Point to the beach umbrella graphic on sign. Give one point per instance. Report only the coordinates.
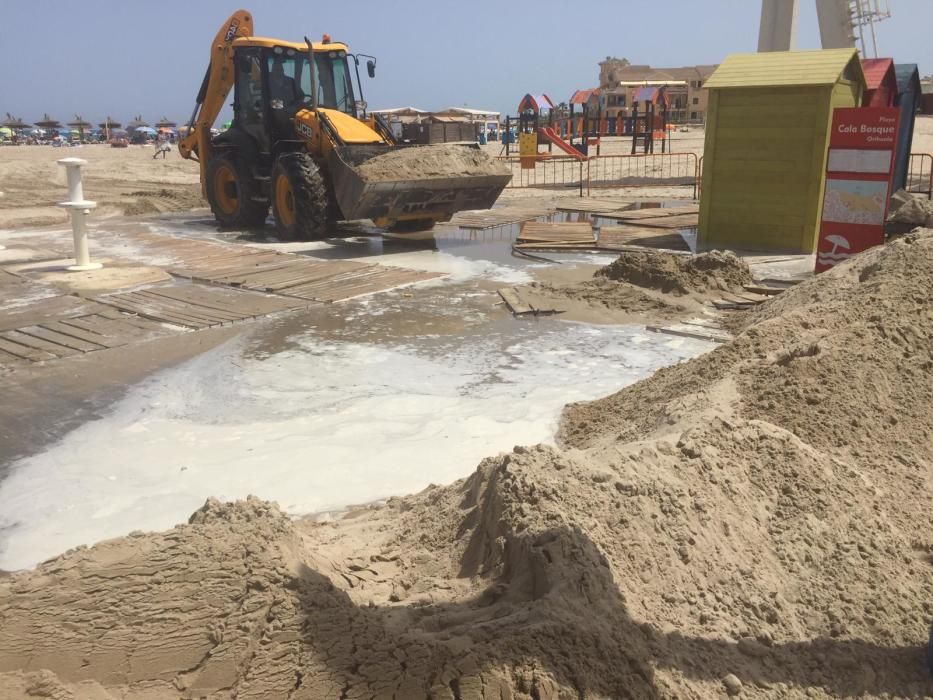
(839, 252)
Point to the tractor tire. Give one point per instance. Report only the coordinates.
(233, 193)
(412, 226)
(300, 203)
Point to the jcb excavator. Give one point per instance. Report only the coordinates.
(301, 141)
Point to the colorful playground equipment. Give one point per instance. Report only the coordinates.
(649, 124)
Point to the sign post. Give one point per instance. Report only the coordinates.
(858, 182)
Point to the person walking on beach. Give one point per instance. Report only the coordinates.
(162, 146)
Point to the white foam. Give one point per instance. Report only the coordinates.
(315, 428)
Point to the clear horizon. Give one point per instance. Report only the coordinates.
(129, 60)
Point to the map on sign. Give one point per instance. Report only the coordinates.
(853, 160)
(855, 201)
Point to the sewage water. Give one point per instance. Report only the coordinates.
(346, 404)
(319, 426)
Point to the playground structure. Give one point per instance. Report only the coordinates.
(651, 124)
(576, 127)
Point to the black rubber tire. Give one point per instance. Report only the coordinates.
(309, 198)
(411, 226)
(251, 209)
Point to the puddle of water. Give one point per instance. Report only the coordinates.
(316, 427)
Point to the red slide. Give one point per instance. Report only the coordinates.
(551, 135)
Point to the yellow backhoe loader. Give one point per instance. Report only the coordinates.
(302, 142)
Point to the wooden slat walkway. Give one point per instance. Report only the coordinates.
(503, 216)
(290, 275)
(196, 306)
(623, 237)
(659, 212)
(59, 331)
(589, 205)
(580, 236)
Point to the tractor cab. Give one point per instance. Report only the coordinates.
(273, 82)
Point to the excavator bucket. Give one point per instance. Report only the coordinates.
(397, 184)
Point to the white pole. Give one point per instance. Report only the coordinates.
(79, 208)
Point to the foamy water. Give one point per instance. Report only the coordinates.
(315, 428)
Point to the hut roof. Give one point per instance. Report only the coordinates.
(787, 68)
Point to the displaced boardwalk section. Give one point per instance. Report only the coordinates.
(216, 284)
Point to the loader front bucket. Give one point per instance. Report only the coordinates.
(398, 184)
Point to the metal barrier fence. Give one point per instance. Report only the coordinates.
(622, 170)
(549, 171)
(920, 174)
(643, 170)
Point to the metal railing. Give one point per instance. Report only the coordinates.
(920, 174)
(621, 170)
(643, 170)
(549, 171)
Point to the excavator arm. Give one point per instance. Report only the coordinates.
(218, 79)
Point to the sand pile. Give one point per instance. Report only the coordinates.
(680, 274)
(756, 521)
(434, 161)
(651, 285)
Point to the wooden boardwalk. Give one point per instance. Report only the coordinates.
(290, 275)
(64, 326)
(582, 236)
(501, 216)
(196, 306)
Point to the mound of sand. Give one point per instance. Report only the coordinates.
(434, 161)
(756, 521)
(680, 274)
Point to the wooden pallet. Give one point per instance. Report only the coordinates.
(589, 205)
(566, 232)
(285, 274)
(503, 216)
(97, 327)
(521, 307)
(196, 306)
(659, 212)
(690, 330)
(668, 222)
(623, 237)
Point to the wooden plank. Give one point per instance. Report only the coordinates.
(658, 212)
(82, 334)
(590, 206)
(564, 231)
(63, 339)
(26, 352)
(51, 307)
(766, 291)
(127, 329)
(163, 307)
(684, 221)
(697, 335)
(227, 299)
(514, 301)
(147, 311)
(191, 308)
(40, 344)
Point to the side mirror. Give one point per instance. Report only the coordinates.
(371, 68)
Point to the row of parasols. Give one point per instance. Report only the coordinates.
(79, 126)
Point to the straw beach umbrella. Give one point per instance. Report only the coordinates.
(137, 122)
(108, 125)
(80, 124)
(48, 122)
(14, 123)
(166, 123)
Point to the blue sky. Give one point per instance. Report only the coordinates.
(123, 58)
